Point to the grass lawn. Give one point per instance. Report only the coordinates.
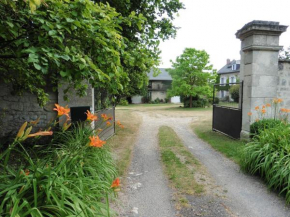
(229, 147)
(179, 164)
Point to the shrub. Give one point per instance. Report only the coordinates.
(196, 102)
(263, 124)
(235, 92)
(269, 156)
(157, 101)
(123, 102)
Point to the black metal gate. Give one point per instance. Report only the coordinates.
(227, 109)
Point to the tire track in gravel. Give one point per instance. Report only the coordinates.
(147, 193)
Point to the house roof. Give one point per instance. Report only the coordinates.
(163, 76)
(228, 67)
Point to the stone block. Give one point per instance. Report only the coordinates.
(272, 40)
(266, 80)
(248, 57)
(259, 40)
(264, 92)
(248, 70)
(247, 42)
(16, 106)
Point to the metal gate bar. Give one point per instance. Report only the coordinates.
(227, 119)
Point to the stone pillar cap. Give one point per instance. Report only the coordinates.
(261, 27)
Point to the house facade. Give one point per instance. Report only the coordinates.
(157, 88)
(228, 74)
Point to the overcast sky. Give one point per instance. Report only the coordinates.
(211, 25)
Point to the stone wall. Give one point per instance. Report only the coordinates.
(283, 88)
(15, 110)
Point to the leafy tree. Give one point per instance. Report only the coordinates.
(143, 41)
(192, 74)
(112, 47)
(71, 41)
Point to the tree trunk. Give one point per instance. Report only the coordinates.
(190, 101)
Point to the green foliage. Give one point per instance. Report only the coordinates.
(69, 41)
(268, 155)
(66, 178)
(111, 47)
(196, 102)
(257, 127)
(235, 92)
(216, 101)
(192, 75)
(123, 102)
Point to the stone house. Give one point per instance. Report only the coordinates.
(228, 74)
(157, 88)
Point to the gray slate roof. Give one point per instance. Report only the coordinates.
(228, 67)
(163, 76)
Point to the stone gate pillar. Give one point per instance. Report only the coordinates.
(259, 65)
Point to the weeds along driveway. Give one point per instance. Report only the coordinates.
(147, 193)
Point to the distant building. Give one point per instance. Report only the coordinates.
(229, 73)
(157, 88)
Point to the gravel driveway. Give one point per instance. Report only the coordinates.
(234, 193)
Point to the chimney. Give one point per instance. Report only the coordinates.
(228, 61)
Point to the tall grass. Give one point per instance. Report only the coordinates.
(66, 178)
(269, 156)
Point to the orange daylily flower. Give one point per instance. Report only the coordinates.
(105, 117)
(263, 106)
(108, 123)
(26, 172)
(90, 116)
(250, 113)
(96, 141)
(282, 109)
(277, 100)
(61, 110)
(268, 105)
(41, 133)
(263, 111)
(257, 108)
(119, 124)
(116, 183)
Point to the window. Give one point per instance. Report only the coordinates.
(233, 79)
(222, 94)
(234, 67)
(222, 80)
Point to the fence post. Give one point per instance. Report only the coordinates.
(259, 66)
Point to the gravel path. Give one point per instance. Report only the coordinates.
(147, 193)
